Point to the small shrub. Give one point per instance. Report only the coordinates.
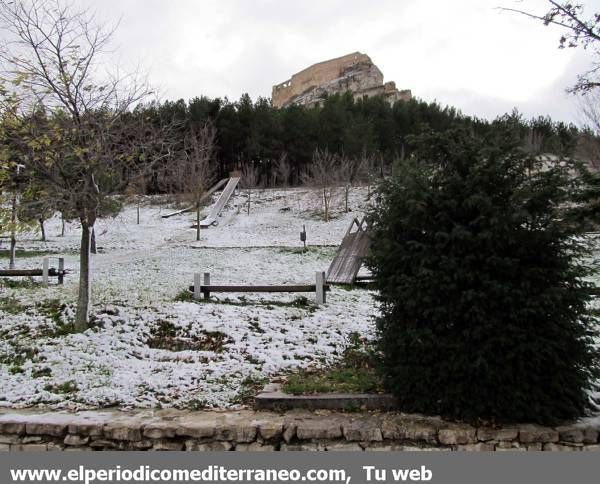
(166, 336)
(62, 388)
(249, 388)
(11, 305)
(184, 296)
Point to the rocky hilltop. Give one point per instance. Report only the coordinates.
(354, 72)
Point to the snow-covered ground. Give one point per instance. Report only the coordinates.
(146, 348)
(138, 273)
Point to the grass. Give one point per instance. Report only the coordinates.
(166, 336)
(18, 283)
(249, 388)
(62, 388)
(54, 310)
(20, 253)
(333, 380)
(11, 305)
(355, 373)
(300, 302)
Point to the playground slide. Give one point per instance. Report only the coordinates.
(218, 207)
(350, 254)
(207, 194)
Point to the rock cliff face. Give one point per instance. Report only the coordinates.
(354, 72)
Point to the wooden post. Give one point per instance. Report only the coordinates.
(61, 268)
(197, 292)
(45, 268)
(320, 288)
(206, 283)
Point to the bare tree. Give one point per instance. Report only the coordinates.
(284, 170)
(371, 167)
(72, 111)
(249, 180)
(197, 169)
(320, 175)
(348, 172)
(588, 142)
(135, 191)
(576, 31)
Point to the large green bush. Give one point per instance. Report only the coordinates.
(479, 271)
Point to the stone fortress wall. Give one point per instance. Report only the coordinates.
(352, 72)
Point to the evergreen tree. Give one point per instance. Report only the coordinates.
(480, 278)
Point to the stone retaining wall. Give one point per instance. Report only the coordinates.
(266, 431)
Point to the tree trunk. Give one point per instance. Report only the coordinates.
(13, 251)
(346, 198)
(138, 213)
(43, 229)
(62, 222)
(93, 241)
(249, 195)
(198, 222)
(83, 302)
(13, 232)
(325, 205)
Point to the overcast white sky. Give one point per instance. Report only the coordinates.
(464, 53)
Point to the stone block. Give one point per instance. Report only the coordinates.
(485, 434)
(76, 440)
(590, 435)
(289, 433)
(343, 447)
(478, 447)
(105, 444)
(196, 429)
(29, 447)
(53, 429)
(459, 434)
(93, 430)
(305, 447)
(236, 432)
(159, 430)
(505, 445)
(167, 445)
(417, 448)
(254, 447)
(551, 447)
(364, 431)
(10, 439)
(4, 447)
(33, 439)
(537, 434)
(143, 444)
(570, 433)
(318, 429)
(592, 448)
(118, 431)
(534, 447)
(378, 447)
(194, 445)
(270, 430)
(12, 427)
(419, 432)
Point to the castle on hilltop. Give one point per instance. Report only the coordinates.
(354, 72)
